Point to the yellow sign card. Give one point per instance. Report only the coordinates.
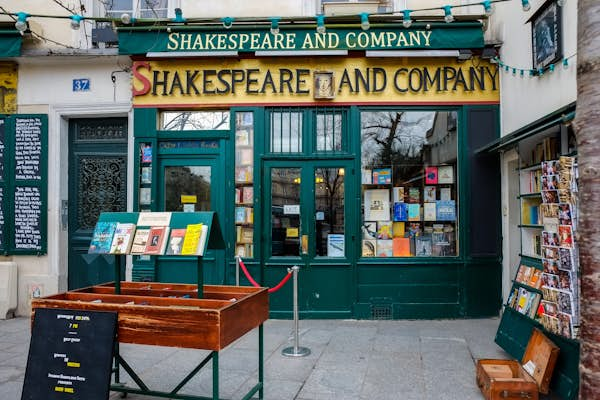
(323, 81)
(291, 232)
(187, 199)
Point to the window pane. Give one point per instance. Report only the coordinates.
(192, 182)
(244, 186)
(194, 120)
(286, 132)
(114, 8)
(409, 183)
(329, 216)
(153, 8)
(329, 132)
(285, 211)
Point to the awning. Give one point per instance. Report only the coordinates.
(10, 43)
(559, 116)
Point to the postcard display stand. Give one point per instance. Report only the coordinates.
(545, 291)
(208, 317)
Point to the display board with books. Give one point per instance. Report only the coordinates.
(244, 184)
(156, 234)
(145, 176)
(409, 215)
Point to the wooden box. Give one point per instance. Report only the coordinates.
(165, 314)
(507, 379)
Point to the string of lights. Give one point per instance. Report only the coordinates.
(531, 72)
(228, 22)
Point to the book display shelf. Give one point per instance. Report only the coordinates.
(244, 184)
(545, 290)
(409, 214)
(145, 165)
(196, 316)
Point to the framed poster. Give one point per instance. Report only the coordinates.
(546, 35)
(324, 85)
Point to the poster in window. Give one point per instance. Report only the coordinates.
(546, 35)
(377, 205)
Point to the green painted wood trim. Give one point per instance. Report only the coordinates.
(10, 43)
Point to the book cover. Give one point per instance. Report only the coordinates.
(565, 280)
(384, 229)
(414, 195)
(398, 194)
(550, 196)
(535, 280)
(431, 175)
(550, 266)
(175, 241)
(564, 196)
(565, 256)
(146, 175)
(398, 229)
(429, 193)
(414, 212)
(240, 215)
(366, 176)
(445, 194)
(102, 238)
(401, 247)
(335, 245)
(550, 281)
(195, 239)
(522, 300)
(414, 229)
(400, 212)
(520, 273)
(377, 205)
(384, 248)
(146, 153)
(243, 174)
(565, 233)
(157, 240)
(369, 248)
(248, 195)
(369, 230)
(145, 196)
(244, 156)
(565, 325)
(139, 241)
(550, 252)
(565, 303)
(445, 210)
(242, 137)
(446, 174)
(154, 219)
(123, 238)
(429, 212)
(382, 176)
(248, 234)
(564, 214)
(423, 246)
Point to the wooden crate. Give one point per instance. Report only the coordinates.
(163, 314)
(507, 379)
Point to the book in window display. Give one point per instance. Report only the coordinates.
(446, 210)
(377, 205)
(429, 212)
(445, 194)
(398, 229)
(429, 193)
(446, 174)
(431, 175)
(382, 176)
(369, 230)
(366, 176)
(401, 247)
(398, 194)
(384, 248)
(384, 229)
(146, 175)
(414, 212)
(369, 248)
(414, 195)
(400, 212)
(423, 247)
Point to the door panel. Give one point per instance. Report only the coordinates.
(189, 185)
(97, 183)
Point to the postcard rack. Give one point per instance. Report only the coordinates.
(198, 316)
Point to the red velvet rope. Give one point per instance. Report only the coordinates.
(255, 284)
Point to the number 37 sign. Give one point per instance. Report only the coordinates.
(81, 85)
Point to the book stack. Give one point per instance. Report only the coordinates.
(560, 288)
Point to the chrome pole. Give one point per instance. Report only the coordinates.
(237, 270)
(296, 350)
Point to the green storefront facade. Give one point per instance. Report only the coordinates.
(325, 153)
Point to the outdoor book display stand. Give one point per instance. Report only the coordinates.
(208, 317)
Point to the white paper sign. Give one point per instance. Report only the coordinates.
(291, 209)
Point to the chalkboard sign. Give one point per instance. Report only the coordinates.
(28, 217)
(70, 355)
(28, 148)
(2, 146)
(2, 234)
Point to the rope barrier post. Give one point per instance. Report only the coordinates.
(237, 270)
(296, 350)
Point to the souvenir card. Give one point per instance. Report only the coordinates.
(564, 214)
(550, 266)
(564, 280)
(550, 280)
(550, 252)
(550, 167)
(566, 259)
(565, 325)
(550, 182)
(549, 196)
(565, 303)
(565, 232)
(550, 308)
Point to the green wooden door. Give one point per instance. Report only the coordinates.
(307, 221)
(97, 183)
(191, 183)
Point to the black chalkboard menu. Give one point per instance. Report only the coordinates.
(2, 147)
(70, 355)
(28, 148)
(28, 217)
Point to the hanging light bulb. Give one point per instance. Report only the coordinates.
(76, 21)
(364, 21)
(227, 22)
(526, 5)
(275, 25)
(540, 71)
(179, 16)
(448, 17)
(561, 3)
(551, 67)
(320, 23)
(522, 73)
(406, 21)
(487, 7)
(125, 18)
(514, 71)
(21, 24)
(506, 68)
(565, 63)
(531, 72)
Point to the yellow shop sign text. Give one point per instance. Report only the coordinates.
(263, 81)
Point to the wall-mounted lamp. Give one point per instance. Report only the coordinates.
(76, 21)
(448, 17)
(275, 25)
(526, 5)
(406, 21)
(21, 24)
(364, 21)
(320, 23)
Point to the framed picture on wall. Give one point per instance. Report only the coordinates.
(546, 35)
(324, 85)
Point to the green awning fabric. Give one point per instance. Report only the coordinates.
(559, 116)
(10, 43)
(142, 40)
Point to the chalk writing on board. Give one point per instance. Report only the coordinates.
(2, 244)
(28, 214)
(28, 148)
(2, 139)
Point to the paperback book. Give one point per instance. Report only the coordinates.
(157, 240)
(123, 238)
(194, 241)
(176, 241)
(102, 238)
(139, 241)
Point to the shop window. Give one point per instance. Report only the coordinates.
(285, 218)
(137, 8)
(329, 131)
(409, 183)
(286, 131)
(194, 120)
(244, 184)
(329, 215)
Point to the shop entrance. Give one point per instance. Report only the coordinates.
(307, 218)
(191, 184)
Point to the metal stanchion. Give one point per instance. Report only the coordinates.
(237, 270)
(296, 350)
